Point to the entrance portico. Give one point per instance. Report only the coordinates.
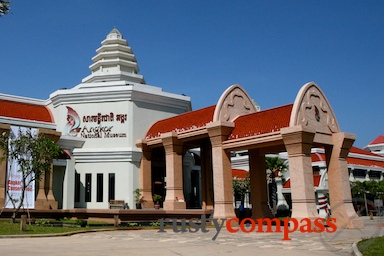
(236, 123)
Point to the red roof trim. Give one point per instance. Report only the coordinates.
(262, 122)
(316, 182)
(355, 160)
(25, 111)
(365, 162)
(378, 140)
(317, 157)
(241, 174)
(182, 122)
(360, 151)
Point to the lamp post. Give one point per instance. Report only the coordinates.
(365, 201)
(379, 204)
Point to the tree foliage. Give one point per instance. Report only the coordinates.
(240, 185)
(372, 188)
(4, 7)
(276, 164)
(34, 156)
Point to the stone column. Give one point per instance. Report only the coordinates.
(206, 176)
(351, 176)
(69, 185)
(146, 174)
(367, 175)
(298, 143)
(174, 171)
(338, 182)
(258, 184)
(222, 169)
(42, 202)
(3, 168)
(53, 204)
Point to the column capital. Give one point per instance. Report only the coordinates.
(4, 128)
(141, 143)
(344, 141)
(219, 131)
(145, 149)
(171, 143)
(51, 134)
(298, 139)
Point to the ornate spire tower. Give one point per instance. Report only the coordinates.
(114, 61)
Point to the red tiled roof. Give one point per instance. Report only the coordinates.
(362, 152)
(378, 140)
(183, 122)
(25, 111)
(318, 157)
(316, 182)
(266, 121)
(365, 162)
(240, 173)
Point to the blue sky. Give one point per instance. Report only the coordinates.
(199, 48)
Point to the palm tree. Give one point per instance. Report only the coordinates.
(276, 165)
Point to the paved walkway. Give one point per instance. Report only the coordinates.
(151, 242)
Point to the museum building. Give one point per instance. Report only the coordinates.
(97, 123)
(119, 134)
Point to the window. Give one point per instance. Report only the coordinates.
(77, 187)
(375, 175)
(359, 173)
(88, 187)
(100, 193)
(111, 190)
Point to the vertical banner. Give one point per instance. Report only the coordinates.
(15, 178)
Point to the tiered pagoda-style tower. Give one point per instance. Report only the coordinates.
(114, 61)
(107, 112)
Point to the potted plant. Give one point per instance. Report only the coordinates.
(138, 198)
(156, 200)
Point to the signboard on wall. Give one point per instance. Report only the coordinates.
(94, 126)
(15, 178)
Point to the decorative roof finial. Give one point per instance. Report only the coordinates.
(114, 34)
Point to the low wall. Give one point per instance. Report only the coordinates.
(123, 215)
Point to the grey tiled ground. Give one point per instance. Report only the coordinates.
(151, 242)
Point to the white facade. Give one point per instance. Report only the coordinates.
(104, 115)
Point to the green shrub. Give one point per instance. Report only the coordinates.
(81, 223)
(154, 224)
(42, 222)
